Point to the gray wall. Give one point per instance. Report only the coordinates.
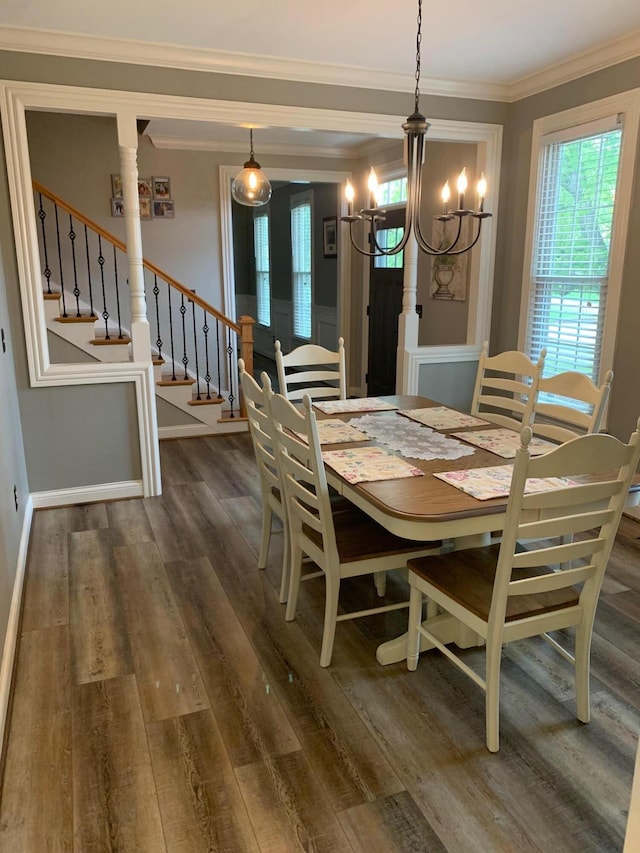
(13, 470)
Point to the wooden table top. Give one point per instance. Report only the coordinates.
(424, 506)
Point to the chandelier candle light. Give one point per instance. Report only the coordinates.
(251, 186)
(415, 128)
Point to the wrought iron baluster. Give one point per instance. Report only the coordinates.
(218, 356)
(64, 304)
(195, 347)
(42, 215)
(185, 358)
(156, 291)
(173, 355)
(207, 375)
(115, 274)
(76, 289)
(231, 396)
(105, 313)
(86, 246)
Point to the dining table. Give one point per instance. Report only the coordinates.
(425, 507)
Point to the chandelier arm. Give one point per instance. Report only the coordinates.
(434, 250)
(472, 244)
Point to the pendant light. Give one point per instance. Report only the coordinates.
(251, 186)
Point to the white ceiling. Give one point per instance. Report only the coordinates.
(494, 48)
(492, 41)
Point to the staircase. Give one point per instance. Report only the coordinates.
(86, 303)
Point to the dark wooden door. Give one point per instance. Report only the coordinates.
(385, 305)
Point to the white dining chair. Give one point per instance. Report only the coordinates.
(268, 472)
(505, 592)
(313, 370)
(579, 408)
(342, 545)
(506, 387)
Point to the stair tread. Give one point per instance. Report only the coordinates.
(167, 382)
(83, 318)
(113, 341)
(53, 295)
(214, 401)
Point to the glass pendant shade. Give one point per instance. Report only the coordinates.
(251, 186)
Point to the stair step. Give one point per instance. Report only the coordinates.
(236, 420)
(52, 295)
(158, 361)
(114, 342)
(83, 318)
(214, 401)
(168, 382)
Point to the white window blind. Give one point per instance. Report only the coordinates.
(301, 264)
(572, 236)
(263, 268)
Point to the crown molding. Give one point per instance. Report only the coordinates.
(79, 46)
(185, 143)
(587, 62)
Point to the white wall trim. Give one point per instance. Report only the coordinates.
(75, 45)
(184, 143)
(13, 624)
(190, 431)
(87, 494)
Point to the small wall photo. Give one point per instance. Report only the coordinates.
(164, 209)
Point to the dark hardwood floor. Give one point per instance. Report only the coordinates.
(162, 703)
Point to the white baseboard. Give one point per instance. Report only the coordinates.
(11, 637)
(88, 494)
(196, 430)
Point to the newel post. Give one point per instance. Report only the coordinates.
(246, 351)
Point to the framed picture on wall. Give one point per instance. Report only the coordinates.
(117, 207)
(145, 207)
(116, 186)
(161, 187)
(330, 236)
(163, 209)
(144, 187)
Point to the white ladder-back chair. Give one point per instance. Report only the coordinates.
(344, 544)
(506, 593)
(309, 369)
(561, 421)
(268, 472)
(506, 387)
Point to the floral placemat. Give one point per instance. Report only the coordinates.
(441, 417)
(411, 439)
(504, 442)
(358, 404)
(336, 432)
(495, 482)
(368, 464)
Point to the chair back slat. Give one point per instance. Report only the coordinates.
(514, 374)
(260, 430)
(560, 420)
(552, 581)
(552, 554)
(320, 380)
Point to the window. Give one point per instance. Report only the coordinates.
(393, 191)
(580, 195)
(301, 254)
(387, 238)
(263, 267)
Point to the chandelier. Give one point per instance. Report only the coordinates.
(415, 129)
(251, 186)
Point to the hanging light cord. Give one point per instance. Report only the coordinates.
(418, 51)
(251, 157)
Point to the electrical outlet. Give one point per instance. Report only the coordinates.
(15, 496)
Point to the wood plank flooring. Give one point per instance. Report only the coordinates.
(162, 703)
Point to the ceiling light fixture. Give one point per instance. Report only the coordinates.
(251, 186)
(415, 128)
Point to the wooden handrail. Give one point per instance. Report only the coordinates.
(193, 297)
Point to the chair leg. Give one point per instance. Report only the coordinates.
(265, 539)
(330, 616)
(286, 557)
(582, 666)
(413, 635)
(295, 569)
(492, 700)
(380, 579)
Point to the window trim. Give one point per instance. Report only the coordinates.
(627, 104)
(299, 200)
(264, 213)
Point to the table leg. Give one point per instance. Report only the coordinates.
(445, 627)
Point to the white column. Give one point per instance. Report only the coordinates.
(128, 143)
(408, 321)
